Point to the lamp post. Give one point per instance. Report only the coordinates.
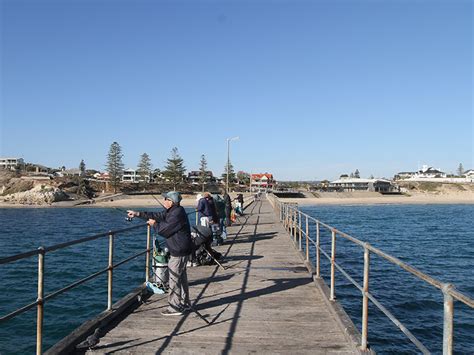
(228, 161)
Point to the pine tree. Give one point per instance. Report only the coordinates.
(82, 168)
(115, 164)
(203, 177)
(243, 177)
(144, 168)
(460, 169)
(357, 174)
(174, 169)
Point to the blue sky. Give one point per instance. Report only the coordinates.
(314, 89)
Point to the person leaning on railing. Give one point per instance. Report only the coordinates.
(173, 224)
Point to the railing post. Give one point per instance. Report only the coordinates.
(318, 256)
(40, 308)
(365, 298)
(148, 253)
(110, 273)
(295, 216)
(448, 320)
(332, 297)
(307, 240)
(300, 230)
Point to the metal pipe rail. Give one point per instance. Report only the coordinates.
(292, 219)
(41, 252)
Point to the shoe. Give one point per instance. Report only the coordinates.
(171, 312)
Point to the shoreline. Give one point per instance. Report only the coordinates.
(190, 201)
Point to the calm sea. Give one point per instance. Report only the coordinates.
(437, 239)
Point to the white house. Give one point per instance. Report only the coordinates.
(132, 175)
(11, 163)
(429, 172)
(358, 184)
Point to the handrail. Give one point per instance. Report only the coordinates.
(291, 217)
(42, 251)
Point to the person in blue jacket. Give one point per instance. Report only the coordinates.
(173, 224)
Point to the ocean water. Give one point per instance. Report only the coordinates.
(437, 239)
(26, 229)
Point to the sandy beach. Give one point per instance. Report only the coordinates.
(465, 197)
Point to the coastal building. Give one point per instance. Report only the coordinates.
(404, 175)
(261, 182)
(8, 163)
(71, 172)
(358, 184)
(130, 175)
(469, 173)
(426, 172)
(101, 176)
(429, 172)
(195, 176)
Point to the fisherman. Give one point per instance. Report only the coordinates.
(173, 224)
(228, 209)
(204, 208)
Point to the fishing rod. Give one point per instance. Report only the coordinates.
(165, 207)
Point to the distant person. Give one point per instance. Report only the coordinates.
(228, 208)
(214, 219)
(239, 205)
(220, 208)
(173, 224)
(204, 209)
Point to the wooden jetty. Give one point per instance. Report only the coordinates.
(265, 301)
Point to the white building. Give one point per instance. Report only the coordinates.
(429, 172)
(11, 163)
(358, 184)
(132, 175)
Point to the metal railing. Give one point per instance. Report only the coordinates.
(292, 219)
(41, 253)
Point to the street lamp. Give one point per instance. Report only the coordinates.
(228, 161)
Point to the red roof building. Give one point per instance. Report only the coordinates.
(261, 182)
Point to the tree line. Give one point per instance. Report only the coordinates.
(173, 172)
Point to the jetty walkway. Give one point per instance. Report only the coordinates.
(265, 301)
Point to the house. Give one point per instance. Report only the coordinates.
(358, 184)
(132, 175)
(101, 176)
(469, 173)
(261, 182)
(429, 172)
(71, 172)
(11, 163)
(195, 176)
(404, 175)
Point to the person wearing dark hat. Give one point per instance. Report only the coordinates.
(173, 224)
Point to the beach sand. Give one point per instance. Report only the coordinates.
(465, 197)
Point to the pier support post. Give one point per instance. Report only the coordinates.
(148, 253)
(295, 216)
(300, 231)
(365, 299)
(332, 296)
(318, 255)
(110, 273)
(40, 310)
(448, 320)
(307, 239)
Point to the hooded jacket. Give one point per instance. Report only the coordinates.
(173, 224)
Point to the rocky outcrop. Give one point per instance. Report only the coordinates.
(38, 195)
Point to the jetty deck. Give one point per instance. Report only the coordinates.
(264, 302)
